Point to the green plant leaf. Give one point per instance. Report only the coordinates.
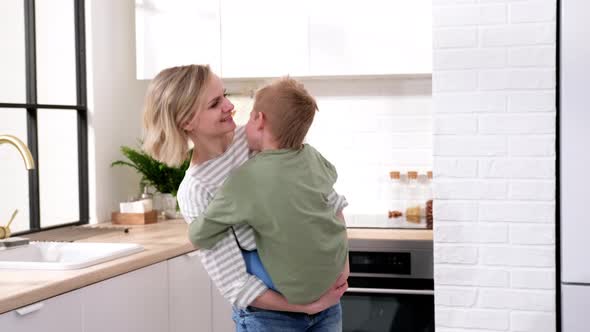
(164, 178)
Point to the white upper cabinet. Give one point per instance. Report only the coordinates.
(176, 32)
(264, 38)
(270, 38)
(370, 37)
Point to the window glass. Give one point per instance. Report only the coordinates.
(12, 65)
(14, 178)
(56, 52)
(58, 167)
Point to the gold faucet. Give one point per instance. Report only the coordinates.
(22, 149)
(29, 164)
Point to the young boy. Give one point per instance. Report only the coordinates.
(283, 194)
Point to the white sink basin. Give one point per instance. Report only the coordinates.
(63, 255)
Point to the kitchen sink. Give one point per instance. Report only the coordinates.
(63, 255)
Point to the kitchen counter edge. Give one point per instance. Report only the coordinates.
(161, 241)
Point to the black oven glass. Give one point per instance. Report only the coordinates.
(363, 312)
(380, 262)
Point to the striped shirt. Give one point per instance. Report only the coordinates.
(224, 262)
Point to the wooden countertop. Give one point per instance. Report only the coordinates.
(397, 234)
(161, 241)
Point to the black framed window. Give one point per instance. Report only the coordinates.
(43, 102)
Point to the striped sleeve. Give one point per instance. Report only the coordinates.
(338, 202)
(245, 235)
(223, 262)
(192, 197)
(226, 268)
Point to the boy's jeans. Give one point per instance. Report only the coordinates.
(258, 320)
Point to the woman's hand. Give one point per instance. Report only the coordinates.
(271, 300)
(333, 295)
(330, 298)
(344, 275)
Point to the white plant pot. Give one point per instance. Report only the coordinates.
(166, 204)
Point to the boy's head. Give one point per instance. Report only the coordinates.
(282, 114)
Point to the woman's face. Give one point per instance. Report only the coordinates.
(216, 117)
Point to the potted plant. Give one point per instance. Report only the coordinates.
(163, 178)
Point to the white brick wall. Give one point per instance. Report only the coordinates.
(494, 164)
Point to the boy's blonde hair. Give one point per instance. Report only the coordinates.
(289, 109)
(172, 99)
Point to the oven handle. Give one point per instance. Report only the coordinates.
(390, 291)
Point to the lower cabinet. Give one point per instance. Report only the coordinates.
(134, 301)
(175, 295)
(195, 303)
(574, 308)
(222, 311)
(61, 313)
(189, 294)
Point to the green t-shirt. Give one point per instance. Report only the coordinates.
(283, 196)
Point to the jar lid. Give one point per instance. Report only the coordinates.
(394, 175)
(412, 175)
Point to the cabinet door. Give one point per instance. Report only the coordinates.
(222, 312)
(61, 313)
(264, 38)
(575, 301)
(176, 32)
(575, 159)
(371, 37)
(189, 294)
(135, 301)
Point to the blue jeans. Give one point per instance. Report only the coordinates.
(258, 320)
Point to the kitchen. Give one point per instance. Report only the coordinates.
(492, 129)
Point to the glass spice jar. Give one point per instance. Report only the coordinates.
(413, 200)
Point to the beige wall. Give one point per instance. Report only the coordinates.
(115, 99)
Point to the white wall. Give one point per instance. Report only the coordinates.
(115, 99)
(494, 165)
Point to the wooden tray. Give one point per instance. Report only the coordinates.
(119, 218)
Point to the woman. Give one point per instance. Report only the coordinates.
(188, 103)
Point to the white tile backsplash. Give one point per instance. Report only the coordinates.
(367, 136)
(366, 127)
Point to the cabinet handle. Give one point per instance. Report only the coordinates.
(390, 291)
(30, 308)
(192, 253)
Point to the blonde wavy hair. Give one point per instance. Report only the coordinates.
(172, 99)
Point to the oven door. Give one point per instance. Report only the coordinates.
(388, 304)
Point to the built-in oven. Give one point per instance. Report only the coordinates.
(391, 287)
